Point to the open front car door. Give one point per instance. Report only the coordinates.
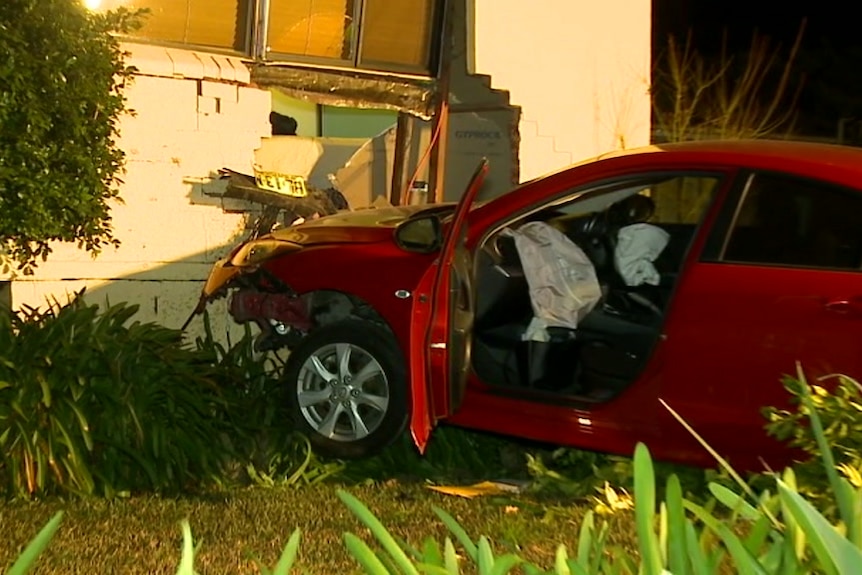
(442, 324)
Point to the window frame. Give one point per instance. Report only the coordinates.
(267, 55)
(257, 33)
(435, 42)
(730, 213)
(249, 41)
(602, 186)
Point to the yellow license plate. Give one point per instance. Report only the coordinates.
(282, 183)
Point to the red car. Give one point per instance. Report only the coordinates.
(695, 273)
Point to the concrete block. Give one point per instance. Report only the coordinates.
(292, 155)
(225, 92)
(38, 294)
(186, 63)
(150, 60)
(211, 68)
(254, 101)
(207, 105)
(146, 133)
(241, 73)
(226, 71)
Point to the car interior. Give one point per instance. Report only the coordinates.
(609, 347)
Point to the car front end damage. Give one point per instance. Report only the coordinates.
(256, 295)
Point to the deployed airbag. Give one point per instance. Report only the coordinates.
(638, 246)
(561, 278)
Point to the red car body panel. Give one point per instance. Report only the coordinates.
(363, 270)
(423, 415)
(438, 342)
(729, 333)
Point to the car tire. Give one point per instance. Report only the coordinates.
(346, 386)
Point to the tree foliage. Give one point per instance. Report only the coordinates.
(61, 95)
(731, 96)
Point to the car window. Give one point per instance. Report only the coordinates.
(684, 199)
(795, 222)
(593, 216)
(678, 199)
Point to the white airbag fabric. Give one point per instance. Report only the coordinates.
(638, 246)
(561, 278)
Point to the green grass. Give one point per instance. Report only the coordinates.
(142, 535)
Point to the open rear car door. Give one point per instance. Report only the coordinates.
(443, 311)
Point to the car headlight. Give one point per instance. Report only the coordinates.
(258, 251)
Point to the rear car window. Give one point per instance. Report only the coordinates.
(789, 221)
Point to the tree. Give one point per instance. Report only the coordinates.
(748, 95)
(62, 76)
(728, 97)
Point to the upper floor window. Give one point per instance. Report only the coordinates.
(324, 29)
(377, 35)
(223, 24)
(399, 34)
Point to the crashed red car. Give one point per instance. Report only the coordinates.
(698, 274)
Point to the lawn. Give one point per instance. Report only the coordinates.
(154, 417)
(142, 534)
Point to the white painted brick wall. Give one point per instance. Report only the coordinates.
(193, 114)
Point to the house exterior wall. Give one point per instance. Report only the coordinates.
(193, 114)
(579, 71)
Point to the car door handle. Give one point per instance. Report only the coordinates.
(844, 306)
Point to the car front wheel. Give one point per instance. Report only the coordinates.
(347, 389)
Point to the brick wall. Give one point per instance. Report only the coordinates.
(193, 114)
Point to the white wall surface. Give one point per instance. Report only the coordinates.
(194, 113)
(579, 70)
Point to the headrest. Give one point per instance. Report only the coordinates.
(632, 210)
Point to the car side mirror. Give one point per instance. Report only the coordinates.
(422, 234)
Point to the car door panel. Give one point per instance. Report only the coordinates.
(741, 326)
(440, 360)
(421, 408)
(752, 324)
(619, 423)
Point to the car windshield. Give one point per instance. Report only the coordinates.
(445, 211)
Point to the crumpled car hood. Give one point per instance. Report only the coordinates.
(360, 226)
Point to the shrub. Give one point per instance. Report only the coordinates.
(257, 417)
(840, 409)
(762, 533)
(61, 96)
(266, 449)
(579, 473)
(93, 403)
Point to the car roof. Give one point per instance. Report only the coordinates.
(841, 164)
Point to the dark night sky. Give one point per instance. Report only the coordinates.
(707, 18)
(829, 66)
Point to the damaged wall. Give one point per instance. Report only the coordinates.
(535, 86)
(194, 113)
(483, 120)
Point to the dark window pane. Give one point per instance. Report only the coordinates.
(683, 200)
(793, 222)
(398, 32)
(313, 28)
(216, 23)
